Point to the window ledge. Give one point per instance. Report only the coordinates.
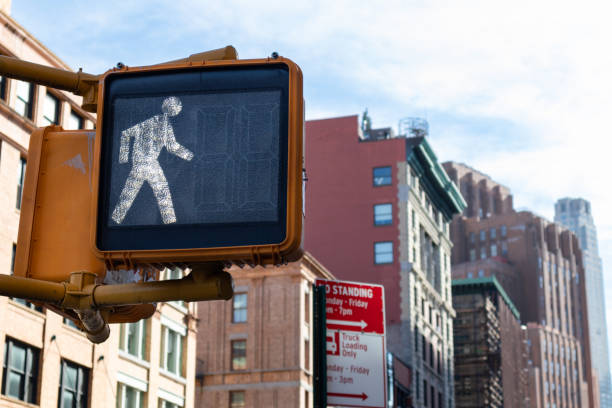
(127, 356)
(17, 401)
(27, 308)
(181, 309)
(172, 376)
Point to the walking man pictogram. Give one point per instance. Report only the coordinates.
(150, 137)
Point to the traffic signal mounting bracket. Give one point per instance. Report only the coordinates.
(93, 303)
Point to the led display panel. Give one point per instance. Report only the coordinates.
(194, 158)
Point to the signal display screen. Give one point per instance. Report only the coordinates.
(194, 158)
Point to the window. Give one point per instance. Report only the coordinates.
(472, 237)
(307, 354)
(239, 303)
(2, 88)
(74, 383)
(18, 300)
(70, 323)
(483, 252)
(27, 304)
(307, 305)
(483, 235)
(382, 176)
(51, 110)
(493, 250)
(132, 338)
(20, 371)
(424, 348)
(383, 252)
(174, 274)
(481, 273)
(237, 399)
(504, 246)
(20, 180)
(172, 351)
(75, 121)
(166, 404)
(431, 389)
(493, 233)
(383, 214)
(472, 254)
(13, 254)
(25, 95)
(503, 230)
(470, 275)
(128, 397)
(239, 355)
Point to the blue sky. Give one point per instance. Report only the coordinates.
(519, 90)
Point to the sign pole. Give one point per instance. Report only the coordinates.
(320, 347)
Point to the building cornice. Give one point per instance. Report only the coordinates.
(487, 282)
(25, 35)
(434, 179)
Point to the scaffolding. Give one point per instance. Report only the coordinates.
(477, 333)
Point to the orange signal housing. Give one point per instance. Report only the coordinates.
(54, 226)
(287, 251)
(54, 223)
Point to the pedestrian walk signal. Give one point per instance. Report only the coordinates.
(200, 162)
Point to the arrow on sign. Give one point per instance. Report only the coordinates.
(363, 395)
(361, 324)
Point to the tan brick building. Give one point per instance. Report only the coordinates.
(45, 361)
(256, 350)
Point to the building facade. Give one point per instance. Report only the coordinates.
(490, 346)
(548, 288)
(378, 208)
(46, 361)
(256, 350)
(575, 214)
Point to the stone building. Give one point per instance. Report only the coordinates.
(378, 208)
(548, 286)
(255, 350)
(46, 361)
(575, 214)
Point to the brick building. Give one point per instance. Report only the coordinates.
(490, 346)
(378, 208)
(548, 285)
(256, 350)
(46, 361)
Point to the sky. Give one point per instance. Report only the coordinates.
(519, 90)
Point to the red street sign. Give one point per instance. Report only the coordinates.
(354, 306)
(355, 343)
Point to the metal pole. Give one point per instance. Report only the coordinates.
(76, 82)
(32, 289)
(320, 347)
(189, 289)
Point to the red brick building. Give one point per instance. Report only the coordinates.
(540, 264)
(378, 208)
